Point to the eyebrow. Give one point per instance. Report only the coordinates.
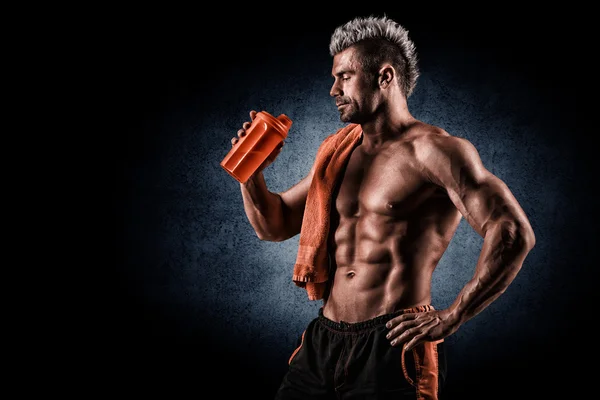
(340, 73)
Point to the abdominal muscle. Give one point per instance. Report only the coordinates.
(379, 269)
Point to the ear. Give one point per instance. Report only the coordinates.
(386, 76)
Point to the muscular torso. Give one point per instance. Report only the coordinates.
(390, 226)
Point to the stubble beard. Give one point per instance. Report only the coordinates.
(347, 114)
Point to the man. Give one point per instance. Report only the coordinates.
(388, 192)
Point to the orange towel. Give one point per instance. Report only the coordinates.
(311, 270)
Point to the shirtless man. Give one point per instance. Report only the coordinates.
(406, 187)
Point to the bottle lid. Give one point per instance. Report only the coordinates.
(285, 120)
(282, 123)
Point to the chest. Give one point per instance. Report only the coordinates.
(389, 183)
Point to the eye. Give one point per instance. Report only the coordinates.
(345, 78)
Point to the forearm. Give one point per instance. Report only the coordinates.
(263, 208)
(503, 253)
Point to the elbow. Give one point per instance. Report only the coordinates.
(518, 237)
(265, 237)
(269, 237)
(277, 233)
(526, 238)
(524, 244)
(529, 239)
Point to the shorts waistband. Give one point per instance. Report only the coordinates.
(370, 323)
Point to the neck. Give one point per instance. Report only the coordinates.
(387, 125)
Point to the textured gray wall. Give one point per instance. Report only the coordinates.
(195, 277)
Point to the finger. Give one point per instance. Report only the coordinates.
(415, 341)
(241, 132)
(399, 319)
(405, 336)
(401, 327)
(246, 125)
(419, 329)
(234, 141)
(253, 114)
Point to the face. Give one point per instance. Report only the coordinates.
(356, 93)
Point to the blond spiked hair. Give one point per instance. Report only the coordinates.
(379, 39)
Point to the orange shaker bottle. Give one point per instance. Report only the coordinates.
(262, 137)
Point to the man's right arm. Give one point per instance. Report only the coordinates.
(275, 216)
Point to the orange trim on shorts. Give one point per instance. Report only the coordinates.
(426, 366)
(297, 348)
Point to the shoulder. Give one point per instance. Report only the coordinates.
(435, 142)
(444, 157)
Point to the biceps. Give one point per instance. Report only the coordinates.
(486, 203)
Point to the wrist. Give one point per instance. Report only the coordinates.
(455, 317)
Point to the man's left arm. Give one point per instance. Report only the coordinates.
(491, 209)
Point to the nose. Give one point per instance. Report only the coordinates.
(335, 90)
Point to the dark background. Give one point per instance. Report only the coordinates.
(197, 304)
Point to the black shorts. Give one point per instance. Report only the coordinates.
(345, 361)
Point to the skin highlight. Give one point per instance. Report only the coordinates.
(405, 189)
